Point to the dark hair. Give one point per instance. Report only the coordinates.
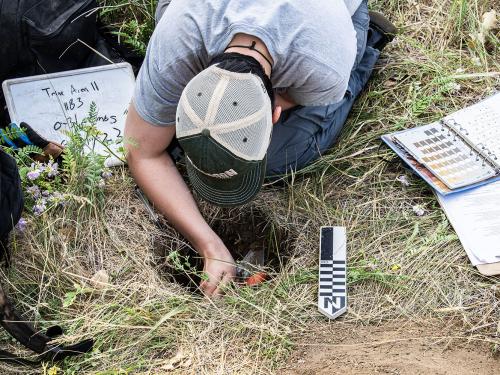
(238, 63)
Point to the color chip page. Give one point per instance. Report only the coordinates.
(447, 156)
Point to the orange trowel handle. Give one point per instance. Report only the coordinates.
(256, 279)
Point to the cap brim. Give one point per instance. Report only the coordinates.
(228, 193)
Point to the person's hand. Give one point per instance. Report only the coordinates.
(219, 269)
(284, 102)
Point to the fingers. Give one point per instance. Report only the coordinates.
(214, 286)
(277, 114)
(208, 287)
(220, 272)
(226, 279)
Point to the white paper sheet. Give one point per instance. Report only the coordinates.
(53, 103)
(480, 123)
(475, 216)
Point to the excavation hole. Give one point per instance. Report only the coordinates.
(257, 244)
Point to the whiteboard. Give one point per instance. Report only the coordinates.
(51, 103)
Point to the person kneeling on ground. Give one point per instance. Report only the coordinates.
(245, 89)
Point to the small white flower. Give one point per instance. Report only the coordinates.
(58, 199)
(372, 267)
(404, 180)
(418, 210)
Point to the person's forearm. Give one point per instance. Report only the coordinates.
(284, 101)
(157, 175)
(162, 183)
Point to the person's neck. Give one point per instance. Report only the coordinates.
(247, 40)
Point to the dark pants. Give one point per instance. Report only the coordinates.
(304, 133)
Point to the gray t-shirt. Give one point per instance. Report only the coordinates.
(312, 43)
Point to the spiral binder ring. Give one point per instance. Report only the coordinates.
(455, 124)
(487, 149)
(446, 125)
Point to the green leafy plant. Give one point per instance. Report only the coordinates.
(70, 297)
(79, 178)
(133, 31)
(135, 35)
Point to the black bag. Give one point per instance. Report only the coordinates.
(42, 36)
(11, 199)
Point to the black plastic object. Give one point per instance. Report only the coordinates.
(40, 343)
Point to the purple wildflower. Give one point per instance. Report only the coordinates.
(46, 193)
(52, 169)
(33, 175)
(34, 191)
(39, 208)
(107, 174)
(58, 199)
(57, 196)
(22, 224)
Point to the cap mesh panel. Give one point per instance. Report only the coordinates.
(184, 125)
(241, 118)
(241, 99)
(204, 84)
(251, 141)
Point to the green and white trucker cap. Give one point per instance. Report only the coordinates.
(224, 124)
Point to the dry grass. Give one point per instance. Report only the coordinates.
(142, 322)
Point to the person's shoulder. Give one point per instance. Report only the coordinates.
(180, 19)
(177, 37)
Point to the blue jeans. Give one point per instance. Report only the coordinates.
(303, 134)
